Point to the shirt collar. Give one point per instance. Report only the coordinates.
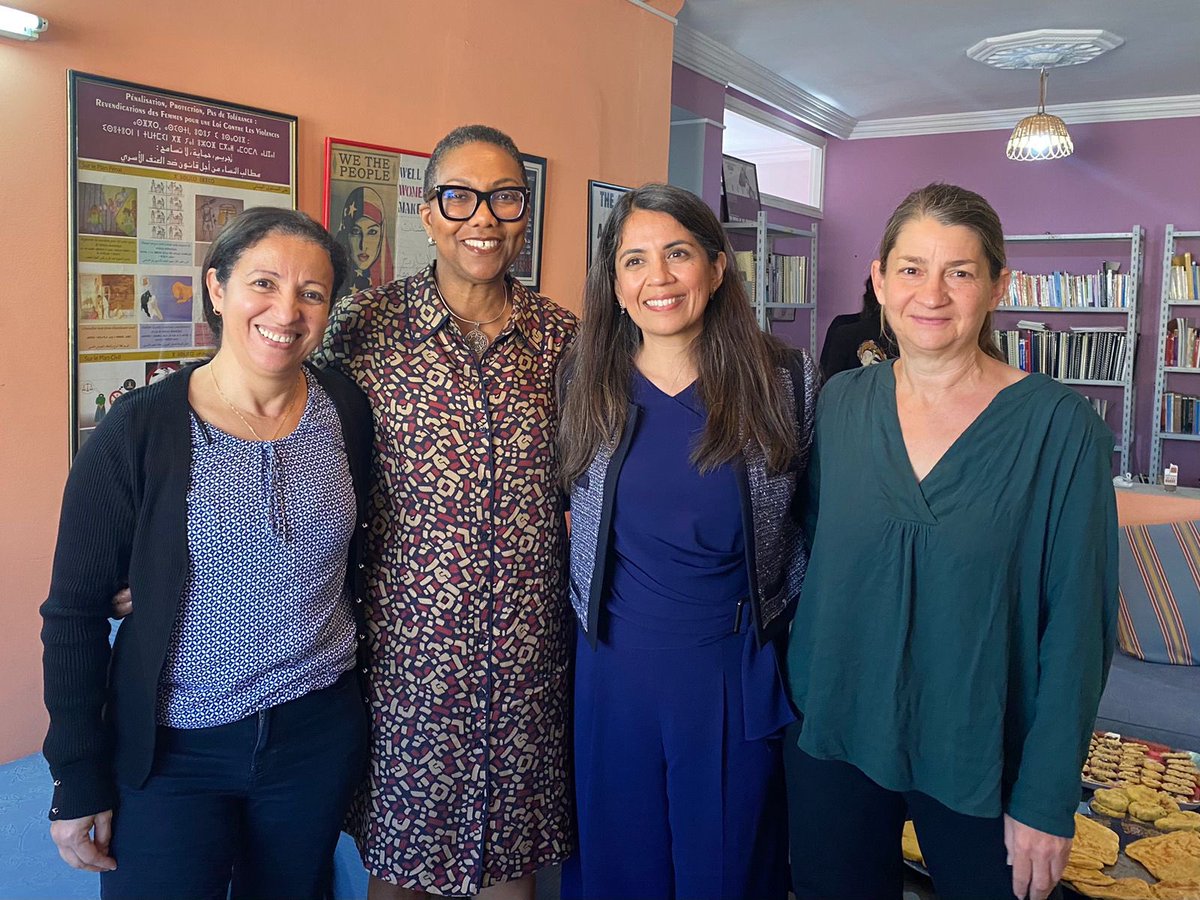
(427, 314)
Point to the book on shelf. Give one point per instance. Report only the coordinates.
(1099, 404)
(1178, 414)
(787, 276)
(1184, 281)
(1076, 355)
(1182, 345)
(1107, 289)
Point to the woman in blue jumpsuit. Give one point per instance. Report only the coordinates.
(684, 436)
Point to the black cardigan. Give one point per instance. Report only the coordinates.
(124, 521)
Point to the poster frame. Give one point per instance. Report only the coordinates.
(329, 217)
(535, 174)
(596, 190)
(737, 207)
(74, 79)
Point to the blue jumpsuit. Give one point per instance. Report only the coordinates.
(678, 713)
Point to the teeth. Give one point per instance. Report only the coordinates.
(660, 304)
(274, 336)
(482, 245)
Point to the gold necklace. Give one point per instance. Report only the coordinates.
(476, 339)
(237, 412)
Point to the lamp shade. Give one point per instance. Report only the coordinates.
(1040, 136)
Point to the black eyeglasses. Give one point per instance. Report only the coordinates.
(458, 203)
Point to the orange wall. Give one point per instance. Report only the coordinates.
(587, 85)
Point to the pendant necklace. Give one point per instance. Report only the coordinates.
(476, 339)
(237, 412)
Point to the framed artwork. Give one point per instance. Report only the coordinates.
(372, 196)
(527, 268)
(739, 190)
(154, 176)
(602, 198)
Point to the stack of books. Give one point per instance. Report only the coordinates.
(787, 276)
(1178, 414)
(1081, 354)
(1107, 289)
(1184, 283)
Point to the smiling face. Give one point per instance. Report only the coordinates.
(274, 305)
(481, 249)
(366, 237)
(664, 277)
(936, 288)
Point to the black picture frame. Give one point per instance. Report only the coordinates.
(527, 267)
(602, 197)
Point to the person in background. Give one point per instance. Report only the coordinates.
(684, 438)
(949, 650)
(857, 339)
(468, 628)
(214, 750)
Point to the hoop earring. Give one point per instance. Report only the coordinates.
(216, 312)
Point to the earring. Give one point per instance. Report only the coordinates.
(622, 308)
(216, 312)
(429, 240)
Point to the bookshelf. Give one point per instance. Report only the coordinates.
(765, 235)
(1110, 303)
(1179, 294)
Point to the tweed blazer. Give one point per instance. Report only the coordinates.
(772, 516)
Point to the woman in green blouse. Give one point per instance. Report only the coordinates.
(958, 617)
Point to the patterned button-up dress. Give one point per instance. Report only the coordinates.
(467, 617)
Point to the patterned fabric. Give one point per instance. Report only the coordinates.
(1159, 615)
(467, 622)
(777, 550)
(254, 630)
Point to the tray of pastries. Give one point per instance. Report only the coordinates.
(1113, 761)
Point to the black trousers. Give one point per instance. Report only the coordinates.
(845, 838)
(255, 805)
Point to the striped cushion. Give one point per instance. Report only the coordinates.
(1159, 618)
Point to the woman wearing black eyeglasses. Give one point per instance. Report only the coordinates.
(467, 623)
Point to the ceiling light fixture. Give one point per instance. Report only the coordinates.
(1040, 136)
(20, 25)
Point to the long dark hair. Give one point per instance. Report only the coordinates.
(738, 364)
(950, 205)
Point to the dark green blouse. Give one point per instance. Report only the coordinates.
(954, 634)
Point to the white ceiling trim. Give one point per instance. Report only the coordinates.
(716, 61)
(997, 119)
(642, 4)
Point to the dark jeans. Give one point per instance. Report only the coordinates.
(845, 837)
(256, 804)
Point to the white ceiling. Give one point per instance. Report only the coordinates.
(883, 59)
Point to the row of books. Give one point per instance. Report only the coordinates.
(1182, 347)
(787, 276)
(1107, 289)
(1081, 354)
(1184, 283)
(1099, 404)
(1178, 414)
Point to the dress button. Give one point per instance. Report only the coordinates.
(362, 565)
(363, 670)
(358, 599)
(57, 783)
(54, 810)
(361, 637)
(363, 525)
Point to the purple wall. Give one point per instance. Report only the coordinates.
(1122, 174)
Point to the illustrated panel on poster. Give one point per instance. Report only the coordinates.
(602, 199)
(740, 201)
(527, 267)
(155, 176)
(372, 205)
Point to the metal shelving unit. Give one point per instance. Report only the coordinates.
(1161, 371)
(1137, 240)
(765, 235)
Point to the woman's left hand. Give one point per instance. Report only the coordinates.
(1037, 859)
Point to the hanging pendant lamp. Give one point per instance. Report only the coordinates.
(1040, 136)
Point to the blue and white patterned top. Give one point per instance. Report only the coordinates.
(264, 617)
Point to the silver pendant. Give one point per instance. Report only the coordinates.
(477, 341)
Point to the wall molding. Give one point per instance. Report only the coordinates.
(1004, 119)
(642, 4)
(714, 60)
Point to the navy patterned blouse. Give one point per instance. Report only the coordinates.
(264, 618)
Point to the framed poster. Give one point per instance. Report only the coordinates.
(602, 198)
(739, 190)
(154, 177)
(372, 195)
(527, 268)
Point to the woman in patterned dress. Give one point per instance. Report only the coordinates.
(220, 740)
(467, 624)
